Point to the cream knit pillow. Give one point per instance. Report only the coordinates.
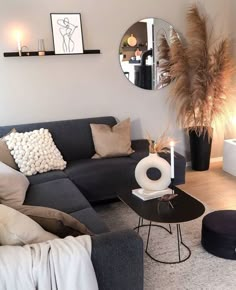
(35, 152)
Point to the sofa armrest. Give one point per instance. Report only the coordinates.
(118, 260)
(141, 148)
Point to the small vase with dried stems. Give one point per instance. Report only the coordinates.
(202, 78)
(153, 160)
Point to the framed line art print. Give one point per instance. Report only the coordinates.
(67, 33)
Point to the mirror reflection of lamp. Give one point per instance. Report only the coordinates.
(132, 41)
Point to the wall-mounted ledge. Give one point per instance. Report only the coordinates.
(47, 53)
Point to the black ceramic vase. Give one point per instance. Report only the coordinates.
(200, 149)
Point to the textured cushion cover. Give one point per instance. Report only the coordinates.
(55, 221)
(35, 152)
(18, 229)
(112, 141)
(13, 185)
(5, 154)
(60, 194)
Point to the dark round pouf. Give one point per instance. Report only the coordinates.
(219, 233)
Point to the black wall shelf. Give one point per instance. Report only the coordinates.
(35, 53)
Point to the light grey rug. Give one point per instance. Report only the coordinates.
(201, 271)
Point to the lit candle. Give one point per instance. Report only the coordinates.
(172, 159)
(18, 37)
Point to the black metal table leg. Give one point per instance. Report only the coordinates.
(179, 242)
(149, 230)
(178, 239)
(139, 223)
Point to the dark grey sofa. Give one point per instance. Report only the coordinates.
(88, 180)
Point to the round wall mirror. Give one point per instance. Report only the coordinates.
(144, 53)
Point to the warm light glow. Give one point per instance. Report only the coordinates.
(18, 39)
(18, 35)
(234, 120)
(172, 143)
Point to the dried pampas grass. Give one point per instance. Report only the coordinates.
(202, 79)
(162, 143)
(164, 61)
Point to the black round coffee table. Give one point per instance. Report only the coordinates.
(183, 208)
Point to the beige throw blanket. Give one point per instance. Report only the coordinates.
(59, 264)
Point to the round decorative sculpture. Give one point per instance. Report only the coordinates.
(153, 161)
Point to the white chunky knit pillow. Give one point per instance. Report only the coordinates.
(35, 152)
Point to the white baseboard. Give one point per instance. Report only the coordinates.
(212, 160)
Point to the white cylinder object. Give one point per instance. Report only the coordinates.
(172, 159)
(153, 161)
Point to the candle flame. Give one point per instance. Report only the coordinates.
(172, 143)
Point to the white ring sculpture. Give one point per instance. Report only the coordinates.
(153, 161)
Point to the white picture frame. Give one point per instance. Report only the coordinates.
(67, 33)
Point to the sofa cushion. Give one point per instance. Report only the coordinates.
(60, 194)
(100, 179)
(112, 141)
(13, 185)
(73, 138)
(90, 218)
(18, 229)
(46, 176)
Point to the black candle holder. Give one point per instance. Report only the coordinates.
(172, 185)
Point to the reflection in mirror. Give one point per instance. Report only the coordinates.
(144, 53)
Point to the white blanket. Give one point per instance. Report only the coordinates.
(59, 264)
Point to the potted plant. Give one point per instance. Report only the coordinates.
(202, 79)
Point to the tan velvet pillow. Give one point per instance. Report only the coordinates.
(55, 221)
(5, 154)
(13, 186)
(18, 229)
(112, 141)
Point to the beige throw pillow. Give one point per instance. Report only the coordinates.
(55, 221)
(18, 229)
(112, 141)
(5, 154)
(13, 186)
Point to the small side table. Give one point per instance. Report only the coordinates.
(229, 156)
(183, 208)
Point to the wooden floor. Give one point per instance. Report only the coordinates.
(216, 188)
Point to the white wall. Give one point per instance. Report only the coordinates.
(64, 87)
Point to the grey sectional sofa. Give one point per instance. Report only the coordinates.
(87, 180)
